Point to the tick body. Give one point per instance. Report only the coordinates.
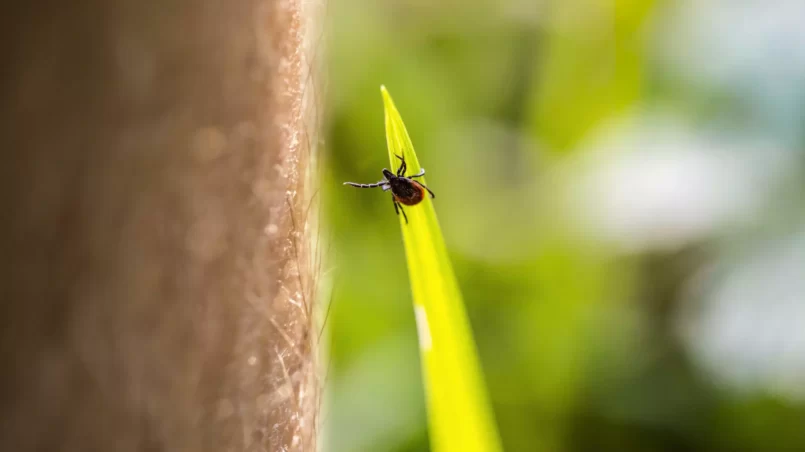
(404, 189)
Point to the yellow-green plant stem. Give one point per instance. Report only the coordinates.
(459, 414)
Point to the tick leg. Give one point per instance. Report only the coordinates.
(378, 184)
(403, 166)
(428, 189)
(420, 174)
(386, 187)
(398, 208)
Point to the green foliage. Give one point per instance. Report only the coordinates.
(530, 118)
(459, 414)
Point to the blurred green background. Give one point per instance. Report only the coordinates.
(620, 185)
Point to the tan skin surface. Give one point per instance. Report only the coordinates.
(147, 270)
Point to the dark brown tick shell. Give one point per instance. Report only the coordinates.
(407, 191)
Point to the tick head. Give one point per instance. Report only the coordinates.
(388, 174)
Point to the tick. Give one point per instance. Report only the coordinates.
(404, 189)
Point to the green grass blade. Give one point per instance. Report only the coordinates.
(459, 414)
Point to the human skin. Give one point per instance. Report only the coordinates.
(152, 199)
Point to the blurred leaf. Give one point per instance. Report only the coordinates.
(459, 412)
(593, 68)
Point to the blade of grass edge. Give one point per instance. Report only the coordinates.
(460, 417)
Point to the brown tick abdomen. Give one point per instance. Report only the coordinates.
(407, 192)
